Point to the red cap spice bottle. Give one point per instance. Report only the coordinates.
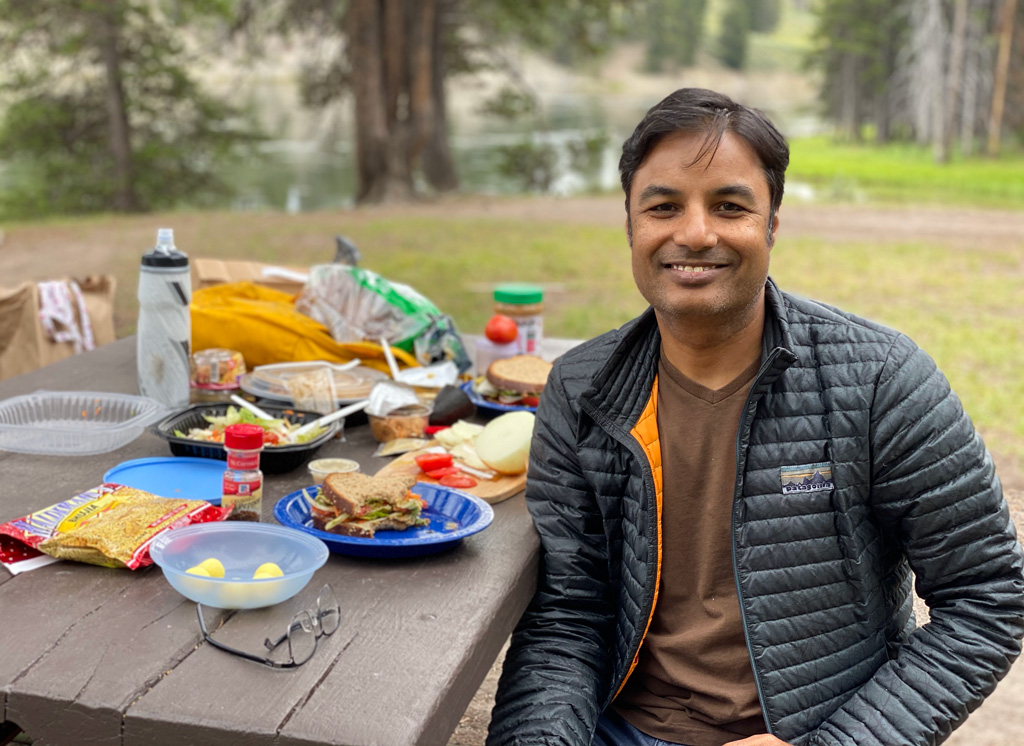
(243, 480)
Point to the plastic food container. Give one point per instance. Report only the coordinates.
(321, 467)
(241, 547)
(74, 423)
(273, 459)
(409, 421)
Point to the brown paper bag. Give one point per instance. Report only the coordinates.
(24, 342)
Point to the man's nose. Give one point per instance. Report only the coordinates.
(695, 231)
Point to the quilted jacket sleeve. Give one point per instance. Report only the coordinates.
(936, 493)
(551, 682)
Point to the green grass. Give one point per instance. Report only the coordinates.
(906, 174)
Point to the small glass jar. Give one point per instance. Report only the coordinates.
(243, 480)
(524, 304)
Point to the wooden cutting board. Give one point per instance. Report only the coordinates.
(491, 491)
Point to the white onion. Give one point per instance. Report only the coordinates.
(504, 443)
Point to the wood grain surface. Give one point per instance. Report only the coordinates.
(490, 490)
(103, 656)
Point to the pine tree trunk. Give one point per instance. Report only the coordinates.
(995, 123)
(958, 46)
(381, 164)
(438, 164)
(125, 199)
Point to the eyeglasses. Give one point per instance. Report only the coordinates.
(304, 629)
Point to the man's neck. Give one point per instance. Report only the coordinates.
(710, 353)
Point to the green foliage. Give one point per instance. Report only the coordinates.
(673, 30)
(766, 15)
(73, 64)
(529, 163)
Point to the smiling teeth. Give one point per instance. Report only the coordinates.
(690, 269)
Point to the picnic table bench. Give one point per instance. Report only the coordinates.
(102, 656)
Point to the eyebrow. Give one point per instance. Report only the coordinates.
(730, 190)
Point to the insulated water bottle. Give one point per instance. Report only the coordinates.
(164, 333)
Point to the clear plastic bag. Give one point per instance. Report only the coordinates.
(356, 304)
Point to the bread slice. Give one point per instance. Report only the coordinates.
(524, 374)
(350, 490)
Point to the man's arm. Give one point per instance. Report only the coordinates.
(556, 666)
(935, 492)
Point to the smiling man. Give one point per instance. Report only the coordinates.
(733, 489)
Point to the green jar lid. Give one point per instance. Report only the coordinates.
(519, 293)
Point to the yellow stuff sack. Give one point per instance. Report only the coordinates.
(264, 325)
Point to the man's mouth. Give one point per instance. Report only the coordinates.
(694, 267)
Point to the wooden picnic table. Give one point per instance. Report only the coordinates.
(102, 656)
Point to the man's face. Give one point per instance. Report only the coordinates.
(700, 230)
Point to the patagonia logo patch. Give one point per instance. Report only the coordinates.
(807, 478)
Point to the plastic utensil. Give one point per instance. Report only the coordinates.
(327, 419)
(390, 356)
(307, 363)
(251, 407)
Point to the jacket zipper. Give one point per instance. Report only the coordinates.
(630, 444)
(737, 488)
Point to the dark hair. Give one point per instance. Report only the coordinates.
(700, 110)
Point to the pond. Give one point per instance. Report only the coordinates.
(572, 147)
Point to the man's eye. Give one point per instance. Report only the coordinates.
(730, 207)
(663, 207)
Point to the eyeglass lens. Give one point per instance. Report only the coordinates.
(328, 611)
(301, 638)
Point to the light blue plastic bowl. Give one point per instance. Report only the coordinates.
(241, 547)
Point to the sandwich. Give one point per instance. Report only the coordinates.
(515, 380)
(355, 504)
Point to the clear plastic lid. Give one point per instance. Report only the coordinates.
(271, 381)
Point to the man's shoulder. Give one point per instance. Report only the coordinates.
(578, 366)
(806, 316)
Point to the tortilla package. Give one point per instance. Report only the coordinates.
(110, 525)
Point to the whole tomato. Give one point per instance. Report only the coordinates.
(501, 329)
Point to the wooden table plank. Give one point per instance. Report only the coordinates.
(115, 657)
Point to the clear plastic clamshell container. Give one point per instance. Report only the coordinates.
(74, 423)
(351, 382)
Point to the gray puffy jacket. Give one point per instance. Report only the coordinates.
(823, 570)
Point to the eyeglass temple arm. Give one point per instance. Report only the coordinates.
(234, 651)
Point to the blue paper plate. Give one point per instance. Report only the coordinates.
(493, 405)
(453, 516)
(173, 476)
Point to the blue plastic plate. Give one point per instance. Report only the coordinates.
(172, 476)
(453, 515)
(493, 405)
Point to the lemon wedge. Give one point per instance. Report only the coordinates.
(267, 570)
(213, 567)
(198, 570)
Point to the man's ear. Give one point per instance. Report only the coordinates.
(629, 231)
(773, 230)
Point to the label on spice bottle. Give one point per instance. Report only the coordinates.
(243, 460)
(531, 329)
(246, 497)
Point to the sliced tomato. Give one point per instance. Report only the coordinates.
(444, 471)
(530, 401)
(458, 481)
(270, 438)
(431, 461)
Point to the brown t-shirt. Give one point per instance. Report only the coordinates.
(693, 683)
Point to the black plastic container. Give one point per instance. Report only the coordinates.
(273, 459)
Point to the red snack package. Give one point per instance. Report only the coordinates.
(110, 525)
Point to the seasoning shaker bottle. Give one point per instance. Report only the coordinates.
(243, 480)
(164, 333)
(525, 304)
